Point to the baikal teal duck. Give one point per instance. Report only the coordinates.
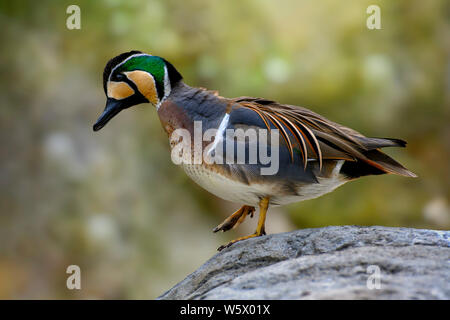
(314, 155)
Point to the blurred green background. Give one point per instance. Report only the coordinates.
(113, 203)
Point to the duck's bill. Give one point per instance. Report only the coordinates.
(112, 108)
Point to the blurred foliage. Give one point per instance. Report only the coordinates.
(114, 204)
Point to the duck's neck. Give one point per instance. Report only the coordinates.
(187, 104)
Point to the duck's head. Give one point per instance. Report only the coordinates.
(133, 78)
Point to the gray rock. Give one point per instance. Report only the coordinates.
(327, 263)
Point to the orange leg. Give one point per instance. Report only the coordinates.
(235, 219)
(260, 230)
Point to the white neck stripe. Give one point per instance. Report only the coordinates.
(167, 87)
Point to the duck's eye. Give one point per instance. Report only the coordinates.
(119, 77)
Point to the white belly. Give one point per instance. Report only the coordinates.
(225, 188)
(250, 194)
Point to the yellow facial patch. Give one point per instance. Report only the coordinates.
(119, 90)
(145, 84)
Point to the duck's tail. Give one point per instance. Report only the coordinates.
(375, 161)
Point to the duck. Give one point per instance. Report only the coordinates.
(289, 153)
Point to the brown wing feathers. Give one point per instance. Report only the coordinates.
(324, 139)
